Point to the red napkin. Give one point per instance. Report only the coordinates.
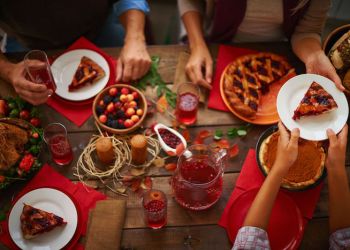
(84, 198)
(251, 177)
(79, 113)
(226, 55)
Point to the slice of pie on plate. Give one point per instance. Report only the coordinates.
(88, 72)
(249, 77)
(307, 169)
(35, 221)
(316, 101)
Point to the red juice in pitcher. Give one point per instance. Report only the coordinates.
(60, 149)
(198, 184)
(187, 107)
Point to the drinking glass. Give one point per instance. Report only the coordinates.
(38, 69)
(187, 103)
(155, 208)
(55, 135)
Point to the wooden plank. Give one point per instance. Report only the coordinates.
(176, 238)
(196, 237)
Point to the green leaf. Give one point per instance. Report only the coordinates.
(241, 132)
(218, 134)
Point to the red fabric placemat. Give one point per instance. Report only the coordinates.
(84, 198)
(226, 55)
(78, 113)
(251, 177)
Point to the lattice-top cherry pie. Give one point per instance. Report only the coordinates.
(249, 77)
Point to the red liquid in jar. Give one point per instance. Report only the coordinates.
(186, 108)
(155, 213)
(197, 171)
(43, 76)
(169, 138)
(61, 150)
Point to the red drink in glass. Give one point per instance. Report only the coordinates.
(155, 208)
(187, 107)
(38, 69)
(187, 103)
(61, 150)
(42, 76)
(55, 135)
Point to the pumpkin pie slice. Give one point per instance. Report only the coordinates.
(88, 72)
(307, 169)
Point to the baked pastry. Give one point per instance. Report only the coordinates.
(35, 221)
(12, 141)
(88, 71)
(249, 77)
(316, 101)
(306, 170)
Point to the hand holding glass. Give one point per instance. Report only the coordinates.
(38, 69)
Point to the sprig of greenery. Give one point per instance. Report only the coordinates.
(240, 131)
(154, 79)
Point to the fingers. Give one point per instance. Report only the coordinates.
(119, 70)
(294, 137)
(208, 71)
(343, 135)
(332, 137)
(336, 79)
(127, 72)
(284, 135)
(195, 74)
(34, 98)
(30, 86)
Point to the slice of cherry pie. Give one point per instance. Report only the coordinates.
(88, 71)
(316, 101)
(35, 221)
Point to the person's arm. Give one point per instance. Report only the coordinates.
(306, 41)
(338, 183)
(287, 152)
(200, 59)
(134, 60)
(15, 74)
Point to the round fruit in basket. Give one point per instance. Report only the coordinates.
(120, 109)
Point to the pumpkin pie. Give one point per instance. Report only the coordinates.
(307, 169)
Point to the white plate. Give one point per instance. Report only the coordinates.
(63, 70)
(312, 127)
(50, 200)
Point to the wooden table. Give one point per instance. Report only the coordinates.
(185, 229)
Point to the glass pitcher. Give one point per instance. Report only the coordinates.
(197, 181)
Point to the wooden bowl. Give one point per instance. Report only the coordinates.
(334, 36)
(142, 105)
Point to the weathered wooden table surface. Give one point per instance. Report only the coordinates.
(185, 229)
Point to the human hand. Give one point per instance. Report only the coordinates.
(337, 148)
(200, 58)
(318, 63)
(32, 92)
(134, 61)
(287, 150)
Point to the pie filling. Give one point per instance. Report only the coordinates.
(306, 170)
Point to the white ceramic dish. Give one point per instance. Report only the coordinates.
(50, 200)
(63, 70)
(166, 148)
(313, 127)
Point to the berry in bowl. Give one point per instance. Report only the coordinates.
(120, 109)
(172, 142)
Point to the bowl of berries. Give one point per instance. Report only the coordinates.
(120, 109)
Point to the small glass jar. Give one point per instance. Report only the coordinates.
(155, 208)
